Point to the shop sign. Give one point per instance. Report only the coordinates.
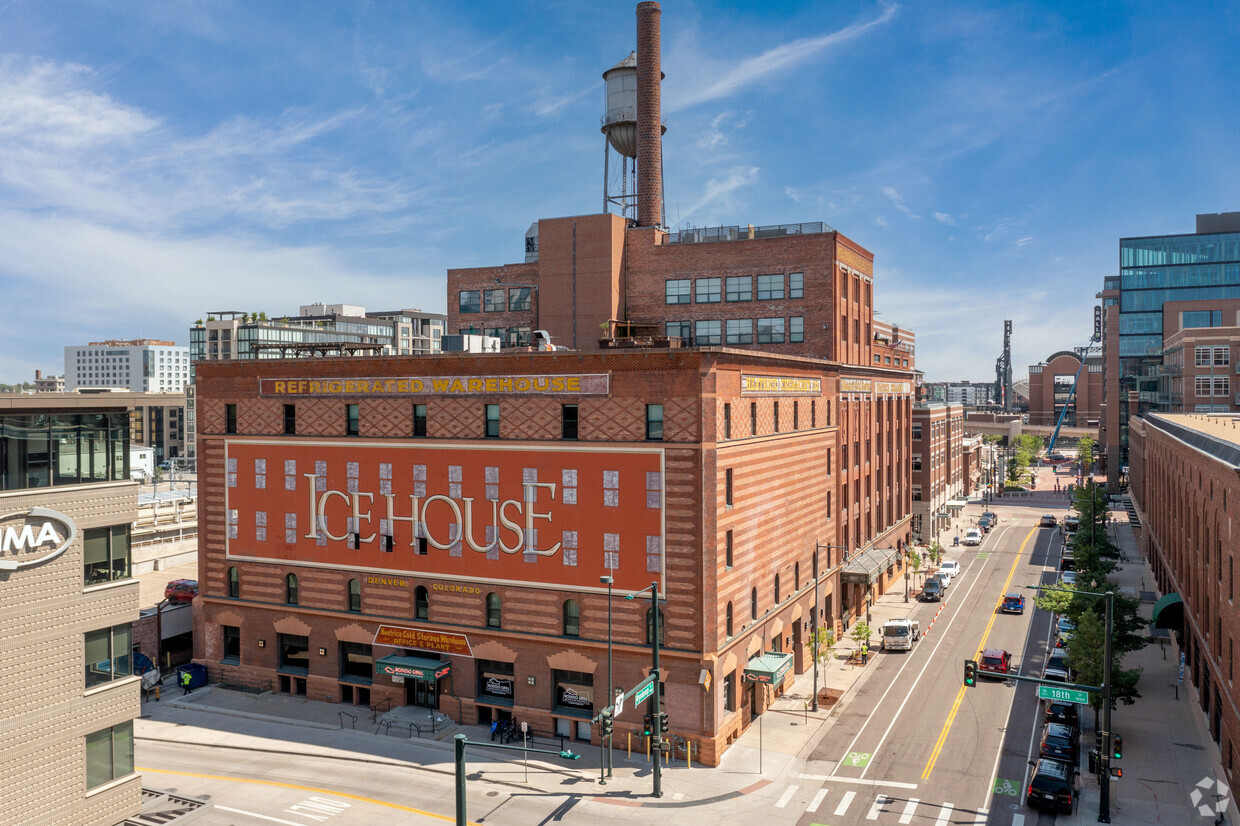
(593, 384)
(32, 537)
(780, 386)
(892, 387)
(855, 385)
(396, 636)
(412, 672)
(497, 687)
(569, 697)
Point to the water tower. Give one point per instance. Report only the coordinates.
(633, 126)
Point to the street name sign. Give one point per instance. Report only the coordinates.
(1063, 695)
(644, 692)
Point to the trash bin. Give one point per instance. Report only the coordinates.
(197, 675)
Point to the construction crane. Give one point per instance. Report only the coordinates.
(1082, 353)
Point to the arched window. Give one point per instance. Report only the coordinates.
(777, 589)
(572, 618)
(753, 603)
(421, 603)
(290, 589)
(234, 583)
(650, 626)
(728, 619)
(493, 610)
(355, 596)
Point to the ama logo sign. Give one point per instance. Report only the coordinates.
(31, 538)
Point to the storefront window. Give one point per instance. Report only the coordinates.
(496, 685)
(357, 663)
(295, 653)
(232, 644)
(573, 692)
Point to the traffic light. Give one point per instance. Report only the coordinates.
(970, 673)
(663, 727)
(647, 725)
(1117, 746)
(1116, 771)
(605, 724)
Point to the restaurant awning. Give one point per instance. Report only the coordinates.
(412, 668)
(768, 668)
(866, 567)
(956, 504)
(1169, 611)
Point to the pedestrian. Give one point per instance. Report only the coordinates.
(865, 653)
(186, 679)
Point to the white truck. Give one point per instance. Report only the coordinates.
(900, 634)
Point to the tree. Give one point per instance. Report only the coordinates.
(825, 638)
(1086, 658)
(914, 561)
(1085, 452)
(861, 633)
(936, 552)
(262, 315)
(1057, 601)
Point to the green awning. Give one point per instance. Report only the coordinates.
(1173, 618)
(412, 668)
(768, 668)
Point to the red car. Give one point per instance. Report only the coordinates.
(181, 590)
(995, 662)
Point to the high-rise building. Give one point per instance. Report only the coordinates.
(1154, 270)
(144, 365)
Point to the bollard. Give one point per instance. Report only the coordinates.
(688, 754)
(630, 745)
(157, 692)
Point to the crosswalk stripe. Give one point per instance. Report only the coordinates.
(909, 808)
(817, 801)
(879, 803)
(944, 814)
(845, 802)
(982, 814)
(786, 796)
(1018, 820)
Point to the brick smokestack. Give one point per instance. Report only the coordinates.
(649, 116)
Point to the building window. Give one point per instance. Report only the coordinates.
(796, 329)
(419, 421)
(916, 432)
(777, 589)
(770, 287)
(753, 603)
(290, 420)
(727, 553)
(519, 300)
(775, 415)
(471, 301)
(727, 421)
(234, 583)
(739, 331)
(680, 329)
(105, 554)
(294, 653)
(796, 415)
(230, 418)
(753, 418)
(493, 301)
(708, 290)
(796, 285)
(729, 692)
(727, 487)
(707, 333)
(572, 618)
(108, 654)
(357, 662)
(677, 291)
(650, 620)
(727, 619)
(355, 596)
(568, 421)
(290, 589)
(493, 614)
(109, 754)
(654, 422)
(232, 644)
(421, 603)
(770, 331)
(492, 421)
(352, 420)
(740, 288)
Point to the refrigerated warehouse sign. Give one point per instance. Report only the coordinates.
(595, 384)
(562, 517)
(780, 386)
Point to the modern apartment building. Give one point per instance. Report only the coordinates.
(939, 468)
(967, 393)
(68, 697)
(1203, 267)
(141, 365)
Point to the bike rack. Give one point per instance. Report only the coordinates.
(352, 719)
(386, 725)
(413, 726)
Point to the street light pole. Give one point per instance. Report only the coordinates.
(1104, 798)
(611, 683)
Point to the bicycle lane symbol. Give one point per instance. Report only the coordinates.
(859, 759)
(1007, 787)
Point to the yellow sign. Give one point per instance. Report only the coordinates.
(855, 385)
(891, 387)
(784, 385)
(576, 385)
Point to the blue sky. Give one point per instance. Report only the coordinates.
(161, 160)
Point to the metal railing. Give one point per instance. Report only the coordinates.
(706, 235)
(352, 719)
(383, 705)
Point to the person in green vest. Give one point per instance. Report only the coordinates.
(186, 679)
(865, 652)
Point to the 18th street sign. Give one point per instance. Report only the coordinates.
(1062, 695)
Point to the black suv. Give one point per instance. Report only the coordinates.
(932, 590)
(1061, 742)
(1052, 786)
(1066, 713)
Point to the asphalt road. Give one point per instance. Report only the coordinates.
(916, 746)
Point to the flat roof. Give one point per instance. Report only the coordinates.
(1215, 435)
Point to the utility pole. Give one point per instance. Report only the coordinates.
(655, 700)
(1104, 779)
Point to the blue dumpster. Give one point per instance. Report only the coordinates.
(197, 675)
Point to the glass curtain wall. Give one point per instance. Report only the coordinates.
(44, 450)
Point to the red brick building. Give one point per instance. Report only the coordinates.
(938, 468)
(445, 520)
(1185, 480)
(1051, 390)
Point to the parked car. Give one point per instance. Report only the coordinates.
(992, 516)
(944, 579)
(1064, 623)
(1063, 639)
(972, 536)
(1055, 675)
(932, 590)
(1069, 714)
(985, 523)
(995, 662)
(950, 567)
(1068, 577)
(1048, 521)
(1060, 742)
(1052, 785)
(1013, 603)
(1067, 562)
(1058, 659)
(181, 590)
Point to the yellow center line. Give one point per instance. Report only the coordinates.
(951, 716)
(314, 789)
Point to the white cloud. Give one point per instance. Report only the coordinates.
(1028, 239)
(944, 218)
(898, 201)
(881, 221)
(716, 201)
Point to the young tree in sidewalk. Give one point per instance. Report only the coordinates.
(1086, 657)
(913, 558)
(826, 645)
(861, 634)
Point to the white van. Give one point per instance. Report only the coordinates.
(900, 634)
